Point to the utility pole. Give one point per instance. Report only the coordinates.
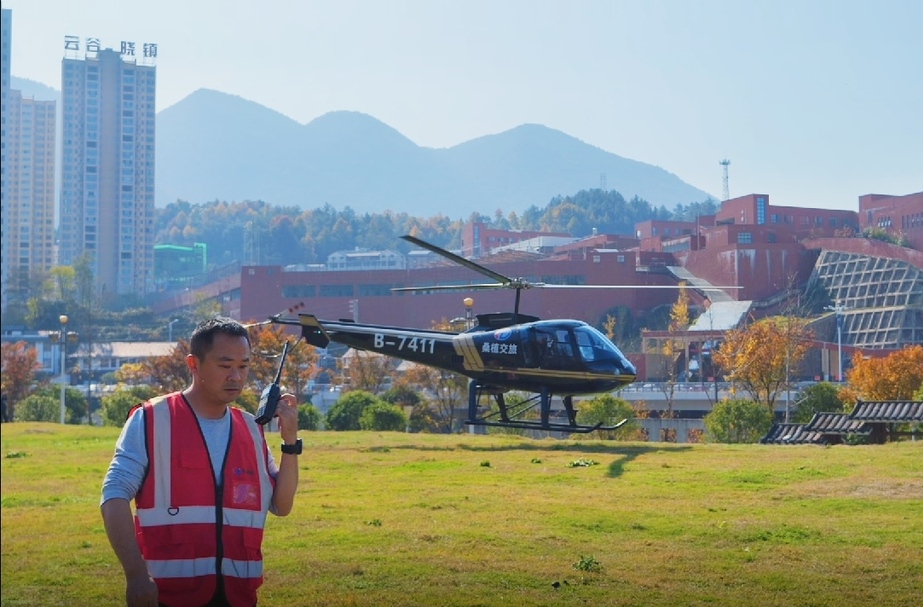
(838, 309)
(63, 342)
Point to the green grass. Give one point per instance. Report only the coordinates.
(422, 520)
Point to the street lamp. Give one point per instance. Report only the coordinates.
(468, 304)
(63, 344)
(170, 329)
(838, 308)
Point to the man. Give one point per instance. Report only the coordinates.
(203, 479)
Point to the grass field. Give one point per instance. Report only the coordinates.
(460, 520)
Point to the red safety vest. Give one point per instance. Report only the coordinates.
(189, 534)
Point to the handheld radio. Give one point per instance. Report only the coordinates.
(269, 400)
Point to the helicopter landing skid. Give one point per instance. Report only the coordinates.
(514, 419)
(548, 427)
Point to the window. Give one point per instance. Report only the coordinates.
(744, 237)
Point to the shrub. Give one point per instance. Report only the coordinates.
(38, 408)
(115, 406)
(346, 412)
(383, 417)
(309, 417)
(608, 410)
(75, 403)
(738, 421)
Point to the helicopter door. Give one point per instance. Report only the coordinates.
(552, 348)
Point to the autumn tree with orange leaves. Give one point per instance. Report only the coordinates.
(19, 368)
(762, 356)
(897, 376)
(164, 374)
(266, 343)
(362, 370)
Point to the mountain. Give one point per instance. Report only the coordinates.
(35, 90)
(212, 145)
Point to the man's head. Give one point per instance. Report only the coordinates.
(203, 337)
(219, 361)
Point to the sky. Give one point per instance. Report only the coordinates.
(814, 102)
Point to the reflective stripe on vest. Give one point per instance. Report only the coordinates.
(180, 568)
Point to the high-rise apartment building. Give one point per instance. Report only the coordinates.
(27, 189)
(107, 182)
(6, 37)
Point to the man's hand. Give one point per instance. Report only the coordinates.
(140, 591)
(287, 413)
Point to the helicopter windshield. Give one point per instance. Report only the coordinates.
(594, 346)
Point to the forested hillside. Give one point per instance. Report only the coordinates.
(259, 233)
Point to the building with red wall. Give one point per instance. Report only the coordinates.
(899, 216)
(478, 239)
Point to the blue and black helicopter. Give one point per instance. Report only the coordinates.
(503, 352)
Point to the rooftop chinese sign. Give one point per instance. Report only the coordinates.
(146, 54)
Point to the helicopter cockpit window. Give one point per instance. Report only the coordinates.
(594, 346)
(585, 344)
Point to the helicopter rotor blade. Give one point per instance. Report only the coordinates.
(543, 285)
(491, 285)
(458, 259)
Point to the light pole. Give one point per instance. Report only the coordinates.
(839, 337)
(468, 304)
(170, 329)
(63, 342)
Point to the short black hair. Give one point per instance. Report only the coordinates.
(203, 336)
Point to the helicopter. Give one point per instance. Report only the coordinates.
(502, 352)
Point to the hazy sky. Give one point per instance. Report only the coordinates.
(815, 102)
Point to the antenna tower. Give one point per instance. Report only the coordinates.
(602, 182)
(251, 244)
(724, 178)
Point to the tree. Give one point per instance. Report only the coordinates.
(383, 417)
(822, 397)
(19, 366)
(164, 374)
(266, 343)
(404, 396)
(446, 391)
(672, 348)
(116, 406)
(762, 356)
(362, 370)
(309, 418)
(737, 421)
(896, 376)
(347, 411)
(608, 410)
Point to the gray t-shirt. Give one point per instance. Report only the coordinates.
(126, 471)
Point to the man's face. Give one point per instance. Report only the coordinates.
(223, 373)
